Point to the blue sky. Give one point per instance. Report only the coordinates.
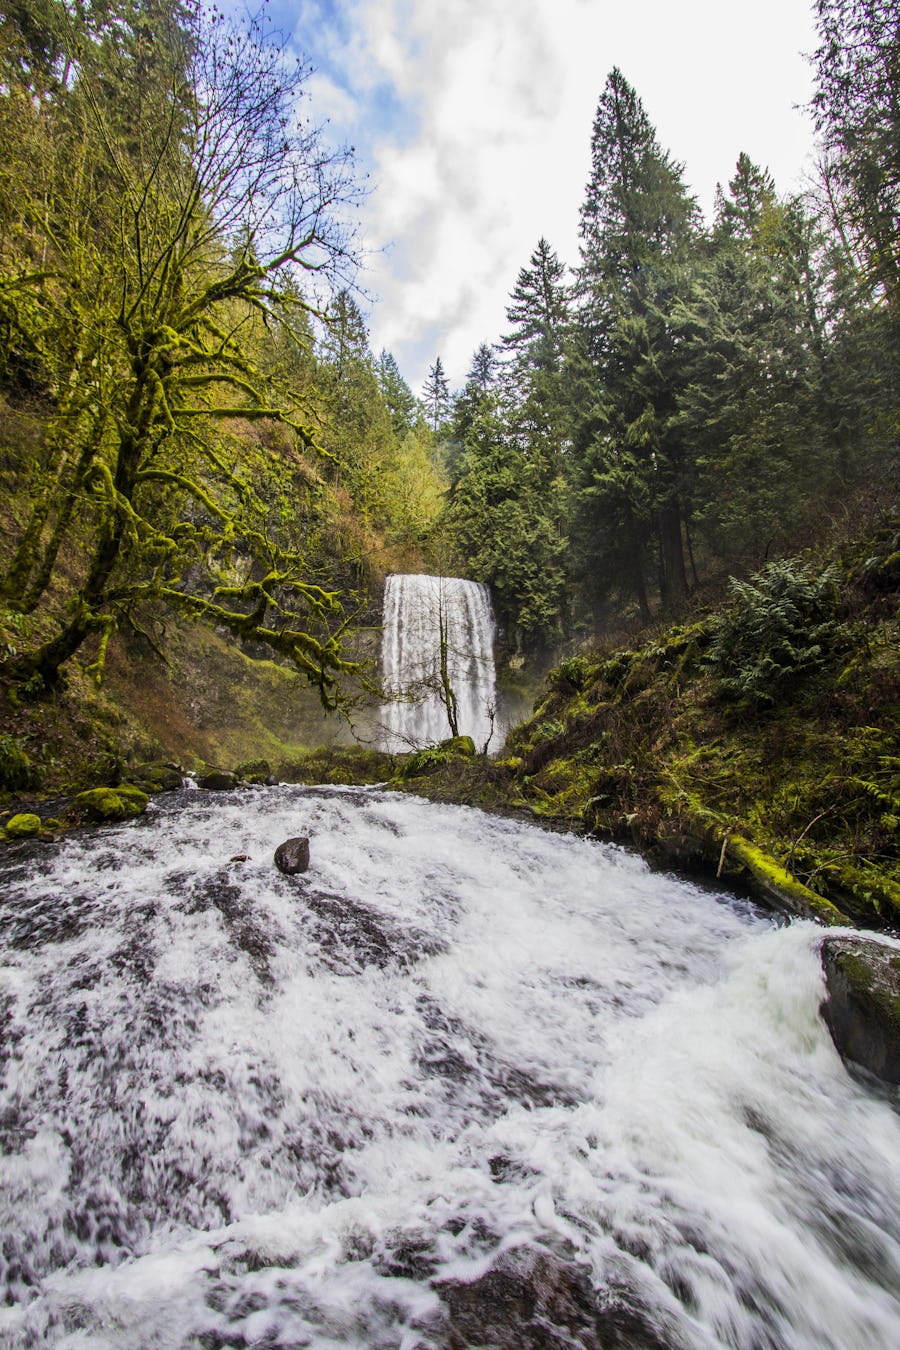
(472, 119)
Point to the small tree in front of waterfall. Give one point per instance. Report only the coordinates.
(445, 691)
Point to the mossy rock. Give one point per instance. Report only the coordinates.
(338, 765)
(218, 780)
(23, 826)
(108, 804)
(156, 778)
(862, 1010)
(254, 770)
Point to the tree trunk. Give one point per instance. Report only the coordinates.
(672, 552)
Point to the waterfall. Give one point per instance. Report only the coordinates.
(464, 1082)
(416, 608)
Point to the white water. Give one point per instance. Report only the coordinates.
(241, 1109)
(410, 659)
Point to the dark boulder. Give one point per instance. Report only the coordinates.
(537, 1300)
(218, 780)
(292, 856)
(862, 1010)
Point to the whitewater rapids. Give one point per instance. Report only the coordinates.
(242, 1109)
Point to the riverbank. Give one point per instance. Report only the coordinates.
(758, 744)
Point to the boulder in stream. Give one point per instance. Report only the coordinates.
(292, 856)
(862, 1010)
(218, 780)
(23, 825)
(108, 803)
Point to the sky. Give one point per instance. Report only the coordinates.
(472, 120)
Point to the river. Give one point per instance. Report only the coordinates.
(463, 1071)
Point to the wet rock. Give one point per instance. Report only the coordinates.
(534, 1300)
(106, 804)
(862, 1010)
(292, 856)
(23, 825)
(157, 777)
(218, 780)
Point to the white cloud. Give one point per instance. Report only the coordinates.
(474, 119)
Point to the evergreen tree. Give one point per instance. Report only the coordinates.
(504, 526)
(397, 394)
(751, 193)
(538, 313)
(476, 394)
(436, 395)
(750, 334)
(638, 227)
(857, 112)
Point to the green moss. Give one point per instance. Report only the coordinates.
(778, 885)
(875, 984)
(23, 825)
(154, 778)
(433, 757)
(338, 765)
(109, 804)
(254, 770)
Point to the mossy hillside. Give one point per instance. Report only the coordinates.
(649, 744)
(208, 702)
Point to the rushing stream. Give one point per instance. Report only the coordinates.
(461, 1072)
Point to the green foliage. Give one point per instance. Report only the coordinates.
(858, 115)
(142, 268)
(16, 772)
(781, 626)
(572, 675)
(638, 226)
(434, 757)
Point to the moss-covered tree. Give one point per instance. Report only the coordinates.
(140, 261)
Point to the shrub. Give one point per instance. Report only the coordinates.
(781, 626)
(16, 771)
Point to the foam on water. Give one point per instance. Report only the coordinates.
(245, 1109)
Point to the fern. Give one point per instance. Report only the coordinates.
(781, 626)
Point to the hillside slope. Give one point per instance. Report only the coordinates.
(760, 742)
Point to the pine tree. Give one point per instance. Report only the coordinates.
(436, 395)
(396, 393)
(751, 340)
(638, 226)
(538, 312)
(857, 112)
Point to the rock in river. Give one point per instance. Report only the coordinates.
(293, 855)
(862, 1009)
